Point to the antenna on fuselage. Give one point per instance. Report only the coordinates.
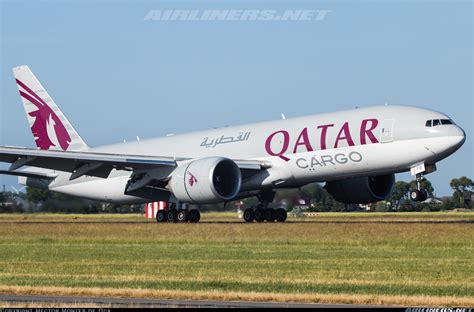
(283, 116)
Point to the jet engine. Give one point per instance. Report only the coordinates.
(206, 181)
(362, 190)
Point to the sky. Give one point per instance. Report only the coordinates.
(117, 73)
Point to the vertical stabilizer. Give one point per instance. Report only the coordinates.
(50, 128)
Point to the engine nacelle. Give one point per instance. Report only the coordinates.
(363, 190)
(207, 180)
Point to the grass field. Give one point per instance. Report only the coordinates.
(331, 258)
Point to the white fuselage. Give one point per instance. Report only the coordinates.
(326, 147)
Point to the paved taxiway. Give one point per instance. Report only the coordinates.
(160, 303)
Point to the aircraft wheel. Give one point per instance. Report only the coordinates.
(415, 195)
(249, 215)
(182, 216)
(172, 215)
(259, 215)
(281, 215)
(161, 216)
(423, 195)
(194, 216)
(269, 215)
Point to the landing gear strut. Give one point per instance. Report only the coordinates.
(419, 194)
(262, 212)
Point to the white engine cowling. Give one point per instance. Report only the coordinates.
(362, 190)
(207, 180)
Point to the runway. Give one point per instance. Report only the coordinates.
(167, 303)
(242, 222)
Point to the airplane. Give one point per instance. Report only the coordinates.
(356, 153)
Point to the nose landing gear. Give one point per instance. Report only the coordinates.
(419, 194)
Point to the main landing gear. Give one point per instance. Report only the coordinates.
(174, 215)
(420, 194)
(261, 212)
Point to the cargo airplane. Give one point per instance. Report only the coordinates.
(355, 152)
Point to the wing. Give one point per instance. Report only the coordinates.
(80, 163)
(94, 164)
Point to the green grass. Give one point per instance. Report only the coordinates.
(420, 259)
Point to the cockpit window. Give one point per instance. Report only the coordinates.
(437, 122)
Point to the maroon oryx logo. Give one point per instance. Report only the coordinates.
(192, 179)
(45, 119)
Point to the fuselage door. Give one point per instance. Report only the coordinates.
(386, 132)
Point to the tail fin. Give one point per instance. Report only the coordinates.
(50, 128)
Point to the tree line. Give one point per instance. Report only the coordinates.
(312, 197)
(37, 200)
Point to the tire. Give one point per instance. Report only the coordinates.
(249, 215)
(280, 215)
(269, 215)
(182, 216)
(415, 195)
(423, 195)
(259, 215)
(194, 216)
(172, 214)
(161, 216)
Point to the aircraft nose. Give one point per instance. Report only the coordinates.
(460, 136)
(456, 137)
(451, 138)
